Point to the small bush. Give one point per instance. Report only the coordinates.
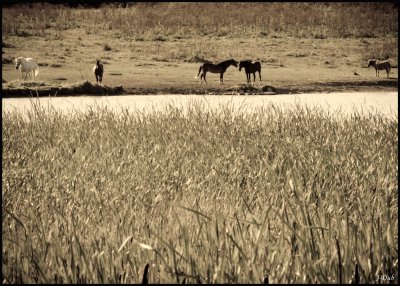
(106, 47)
(159, 38)
(263, 34)
(7, 45)
(22, 33)
(7, 61)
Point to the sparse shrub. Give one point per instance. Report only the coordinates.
(106, 47)
(7, 45)
(319, 36)
(22, 33)
(299, 54)
(270, 60)
(32, 83)
(263, 34)
(7, 61)
(159, 38)
(222, 33)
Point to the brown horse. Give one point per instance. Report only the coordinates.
(98, 71)
(380, 65)
(250, 67)
(218, 68)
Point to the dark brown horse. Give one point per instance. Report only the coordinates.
(218, 68)
(250, 67)
(98, 71)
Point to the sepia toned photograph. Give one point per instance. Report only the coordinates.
(199, 142)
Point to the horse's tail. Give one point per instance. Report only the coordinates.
(201, 67)
(36, 70)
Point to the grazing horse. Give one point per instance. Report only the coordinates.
(27, 66)
(98, 71)
(250, 67)
(218, 68)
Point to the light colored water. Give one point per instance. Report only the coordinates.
(363, 102)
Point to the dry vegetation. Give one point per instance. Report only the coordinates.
(168, 20)
(210, 196)
(216, 196)
(143, 45)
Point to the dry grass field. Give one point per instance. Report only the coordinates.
(220, 196)
(159, 48)
(298, 195)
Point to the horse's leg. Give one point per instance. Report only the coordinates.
(221, 77)
(204, 73)
(248, 77)
(201, 67)
(259, 73)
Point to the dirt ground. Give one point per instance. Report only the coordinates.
(290, 65)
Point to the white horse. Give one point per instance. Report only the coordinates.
(27, 66)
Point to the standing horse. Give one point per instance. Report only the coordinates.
(98, 71)
(218, 68)
(380, 65)
(250, 67)
(27, 66)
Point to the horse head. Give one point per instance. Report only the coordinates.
(234, 63)
(241, 65)
(17, 62)
(371, 63)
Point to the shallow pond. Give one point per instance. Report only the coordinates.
(363, 102)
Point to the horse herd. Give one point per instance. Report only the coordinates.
(29, 68)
